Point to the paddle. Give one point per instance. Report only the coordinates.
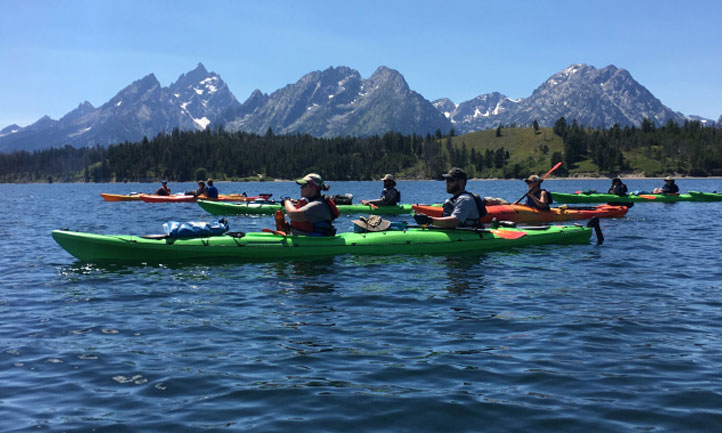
(275, 232)
(594, 223)
(557, 165)
(505, 234)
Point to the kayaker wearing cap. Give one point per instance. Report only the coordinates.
(390, 196)
(211, 190)
(462, 209)
(537, 197)
(618, 187)
(163, 190)
(313, 214)
(669, 187)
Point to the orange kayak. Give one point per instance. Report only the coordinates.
(181, 198)
(525, 214)
(119, 197)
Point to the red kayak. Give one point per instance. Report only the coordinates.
(525, 214)
(182, 198)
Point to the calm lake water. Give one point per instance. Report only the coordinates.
(626, 336)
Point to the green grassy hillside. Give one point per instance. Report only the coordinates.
(529, 151)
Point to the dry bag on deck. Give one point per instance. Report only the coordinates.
(343, 198)
(179, 230)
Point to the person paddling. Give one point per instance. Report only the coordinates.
(163, 190)
(462, 209)
(618, 187)
(537, 197)
(202, 190)
(390, 196)
(314, 213)
(669, 187)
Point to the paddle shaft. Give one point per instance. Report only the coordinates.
(500, 233)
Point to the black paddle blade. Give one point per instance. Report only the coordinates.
(594, 222)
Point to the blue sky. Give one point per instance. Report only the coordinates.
(57, 54)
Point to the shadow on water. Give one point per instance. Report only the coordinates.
(307, 276)
(464, 273)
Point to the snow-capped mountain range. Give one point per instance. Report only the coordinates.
(144, 108)
(594, 97)
(339, 102)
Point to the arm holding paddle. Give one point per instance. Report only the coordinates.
(557, 165)
(294, 213)
(447, 222)
(542, 202)
(371, 203)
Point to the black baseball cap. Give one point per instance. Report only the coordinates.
(455, 173)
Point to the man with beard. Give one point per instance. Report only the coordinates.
(462, 209)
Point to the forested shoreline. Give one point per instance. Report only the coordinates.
(690, 149)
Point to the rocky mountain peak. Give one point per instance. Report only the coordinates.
(446, 106)
(139, 89)
(389, 78)
(10, 129)
(192, 78)
(82, 109)
(256, 99)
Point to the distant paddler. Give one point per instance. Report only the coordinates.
(618, 188)
(390, 196)
(669, 187)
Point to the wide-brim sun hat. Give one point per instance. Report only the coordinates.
(388, 177)
(533, 178)
(373, 223)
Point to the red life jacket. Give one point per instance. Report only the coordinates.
(321, 228)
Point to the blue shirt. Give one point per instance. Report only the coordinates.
(212, 192)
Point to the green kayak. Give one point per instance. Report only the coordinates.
(225, 208)
(705, 196)
(273, 246)
(580, 197)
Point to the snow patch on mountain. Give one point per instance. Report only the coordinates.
(203, 122)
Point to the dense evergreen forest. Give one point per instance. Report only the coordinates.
(689, 149)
